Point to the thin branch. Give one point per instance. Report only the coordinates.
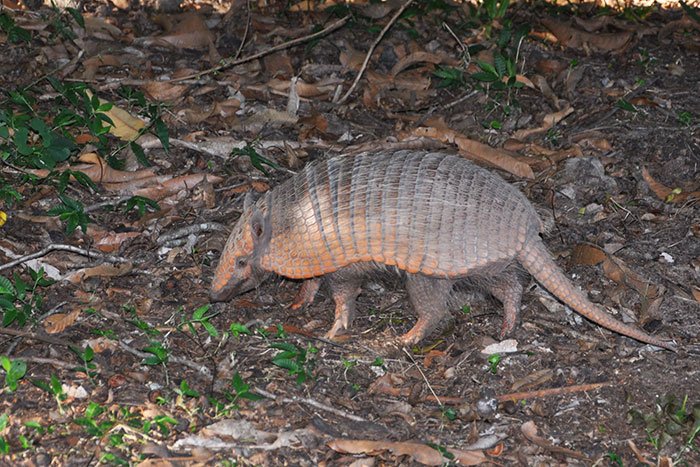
(430, 387)
(189, 230)
(229, 63)
(62, 247)
(551, 392)
(35, 336)
(371, 51)
(311, 402)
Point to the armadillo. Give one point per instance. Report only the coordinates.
(437, 218)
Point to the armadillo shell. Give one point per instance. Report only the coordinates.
(428, 213)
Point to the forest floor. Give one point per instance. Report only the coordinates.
(110, 349)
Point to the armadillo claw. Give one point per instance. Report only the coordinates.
(305, 295)
(339, 328)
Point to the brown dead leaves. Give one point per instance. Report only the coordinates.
(418, 452)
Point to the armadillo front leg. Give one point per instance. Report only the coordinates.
(509, 291)
(428, 297)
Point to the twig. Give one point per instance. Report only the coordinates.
(34, 336)
(312, 403)
(62, 247)
(245, 33)
(371, 51)
(229, 63)
(189, 230)
(49, 361)
(408, 354)
(200, 369)
(551, 392)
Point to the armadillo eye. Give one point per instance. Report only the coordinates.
(241, 263)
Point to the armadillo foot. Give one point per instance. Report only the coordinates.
(508, 290)
(428, 297)
(305, 295)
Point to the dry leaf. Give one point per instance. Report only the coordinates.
(191, 32)
(103, 270)
(696, 293)
(99, 172)
(165, 91)
(575, 39)
(548, 122)
(58, 322)
(587, 254)
(478, 151)
(419, 452)
(414, 58)
(668, 195)
(529, 430)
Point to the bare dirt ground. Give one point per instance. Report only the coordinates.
(593, 113)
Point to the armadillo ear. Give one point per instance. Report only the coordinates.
(259, 227)
(249, 200)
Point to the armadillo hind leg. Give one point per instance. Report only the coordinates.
(306, 294)
(429, 298)
(508, 290)
(345, 288)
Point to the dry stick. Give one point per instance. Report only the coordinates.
(245, 33)
(437, 399)
(36, 337)
(201, 369)
(551, 392)
(62, 247)
(371, 51)
(229, 63)
(311, 402)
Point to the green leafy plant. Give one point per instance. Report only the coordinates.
(236, 329)
(55, 388)
(201, 317)
(614, 458)
(185, 390)
(294, 359)
(258, 161)
(19, 299)
(4, 444)
(86, 356)
(159, 354)
(685, 118)
(626, 105)
(141, 204)
(14, 33)
(72, 212)
(14, 371)
(91, 420)
(450, 77)
(241, 390)
(494, 360)
(670, 418)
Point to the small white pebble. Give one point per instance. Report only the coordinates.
(506, 346)
(666, 257)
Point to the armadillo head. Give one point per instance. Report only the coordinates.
(239, 267)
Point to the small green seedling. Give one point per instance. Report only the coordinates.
(72, 212)
(236, 329)
(159, 353)
(294, 359)
(494, 360)
(14, 371)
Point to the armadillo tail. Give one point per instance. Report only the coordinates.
(536, 259)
